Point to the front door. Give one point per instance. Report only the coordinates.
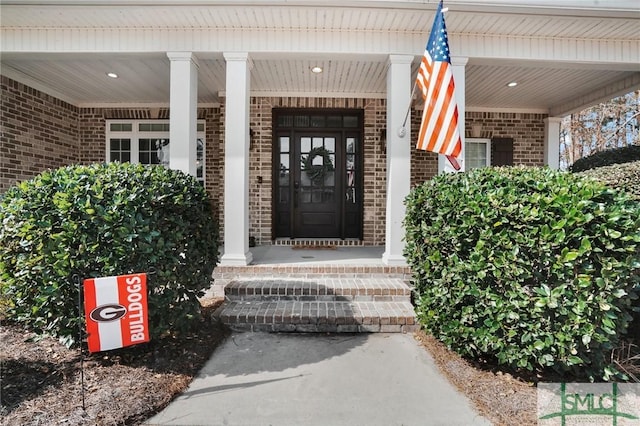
(317, 171)
(315, 183)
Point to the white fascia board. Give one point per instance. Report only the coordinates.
(507, 110)
(532, 6)
(126, 40)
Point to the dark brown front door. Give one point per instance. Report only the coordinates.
(315, 183)
(317, 171)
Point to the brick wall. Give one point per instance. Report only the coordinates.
(39, 132)
(527, 131)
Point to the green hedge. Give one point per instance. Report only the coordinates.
(535, 268)
(621, 176)
(622, 155)
(103, 220)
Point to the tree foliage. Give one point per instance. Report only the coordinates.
(602, 127)
(104, 220)
(534, 268)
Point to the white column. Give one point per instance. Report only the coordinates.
(458, 70)
(183, 111)
(552, 142)
(398, 155)
(236, 161)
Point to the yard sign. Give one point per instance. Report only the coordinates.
(116, 311)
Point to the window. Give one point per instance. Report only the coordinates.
(147, 142)
(477, 153)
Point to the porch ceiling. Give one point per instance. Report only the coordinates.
(80, 77)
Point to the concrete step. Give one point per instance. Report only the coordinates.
(320, 289)
(318, 316)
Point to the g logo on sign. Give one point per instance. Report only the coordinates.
(108, 313)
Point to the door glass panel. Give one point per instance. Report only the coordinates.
(284, 178)
(351, 145)
(317, 142)
(302, 121)
(318, 121)
(285, 120)
(330, 144)
(284, 144)
(284, 161)
(350, 121)
(334, 121)
(305, 145)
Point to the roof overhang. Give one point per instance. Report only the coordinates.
(565, 55)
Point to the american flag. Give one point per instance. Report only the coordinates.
(439, 128)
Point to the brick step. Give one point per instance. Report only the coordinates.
(318, 316)
(227, 273)
(321, 289)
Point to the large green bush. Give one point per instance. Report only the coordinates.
(621, 176)
(532, 267)
(103, 220)
(621, 155)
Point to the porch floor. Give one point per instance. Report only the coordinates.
(296, 255)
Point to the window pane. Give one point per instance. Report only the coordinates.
(125, 144)
(145, 144)
(284, 161)
(144, 158)
(285, 121)
(350, 121)
(334, 121)
(114, 144)
(351, 145)
(318, 121)
(330, 144)
(114, 156)
(284, 178)
(120, 127)
(305, 145)
(302, 121)
(125, 157)
(284, 144)
(317, 142)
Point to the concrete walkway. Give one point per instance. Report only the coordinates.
(320, 379)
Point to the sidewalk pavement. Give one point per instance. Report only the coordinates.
(320, 379)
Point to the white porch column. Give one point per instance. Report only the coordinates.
(236, 161)
(398, 155)
(183, 112)
(458, 65)
(552, 142)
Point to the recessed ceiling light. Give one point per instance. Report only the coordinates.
(512, 84)
(316, 70)
(112, 74)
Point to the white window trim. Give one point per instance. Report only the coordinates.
(487, 143)
(135, 135)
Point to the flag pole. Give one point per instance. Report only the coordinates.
(76, 280)
(403, 130)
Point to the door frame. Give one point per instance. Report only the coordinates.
(353, 212)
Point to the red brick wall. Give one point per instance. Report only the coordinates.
(39, 132)
(527, 131)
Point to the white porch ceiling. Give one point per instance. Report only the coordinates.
(80, 77)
